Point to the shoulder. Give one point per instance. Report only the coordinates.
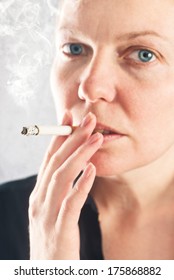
(20, 185)
(14, 200)
(16, 192)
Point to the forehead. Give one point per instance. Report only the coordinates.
(124, 15)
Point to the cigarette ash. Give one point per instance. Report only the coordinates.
(27, 37)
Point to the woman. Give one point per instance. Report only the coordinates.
(113, 71)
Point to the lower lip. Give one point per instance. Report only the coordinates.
(111, 137)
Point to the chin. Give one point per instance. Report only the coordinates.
(106, 166)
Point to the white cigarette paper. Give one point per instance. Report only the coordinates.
(61, 130)
(55, 130)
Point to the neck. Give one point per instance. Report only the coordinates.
(139, 188)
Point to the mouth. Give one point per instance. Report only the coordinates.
(106, 130)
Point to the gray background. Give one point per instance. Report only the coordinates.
(26, 54)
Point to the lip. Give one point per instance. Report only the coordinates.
(116, 134)
(100, 126)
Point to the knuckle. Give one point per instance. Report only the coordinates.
(48, 155)
(61, 175)
(34, 208)
(37, 216)
(77, 152)
(54, 159)
(56, 175)
(85, 135)
(67, 205)
(32, 212)
(80, 191)
(45, 224)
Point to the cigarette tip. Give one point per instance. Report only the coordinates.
(24, 131)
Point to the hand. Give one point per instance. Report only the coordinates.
(55, 206)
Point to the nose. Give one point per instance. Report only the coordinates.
(98, 80)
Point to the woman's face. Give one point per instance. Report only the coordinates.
(115, 58)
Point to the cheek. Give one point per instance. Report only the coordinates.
(151, 132)
(152, 117)
(158, 119)
(149, 101)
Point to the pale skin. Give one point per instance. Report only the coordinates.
(111, 81)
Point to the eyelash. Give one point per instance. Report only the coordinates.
(67, 50)
(137, 60)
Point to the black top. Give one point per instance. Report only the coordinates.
(14, 235)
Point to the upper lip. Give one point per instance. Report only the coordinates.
(100, 126)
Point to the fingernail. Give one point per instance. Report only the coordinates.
(86, 120)
(94, 138)
(89, 170)
(66, 118)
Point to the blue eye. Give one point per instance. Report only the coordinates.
(73, 49)
(144, 56)
(76, 49)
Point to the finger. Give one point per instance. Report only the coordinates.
(71, 207)
(62, 180)
(54, 145)
(57, 141)
(71, 144)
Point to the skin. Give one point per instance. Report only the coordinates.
(131, 178)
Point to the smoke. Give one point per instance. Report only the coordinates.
(27, 40)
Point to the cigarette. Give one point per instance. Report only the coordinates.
(62, 130)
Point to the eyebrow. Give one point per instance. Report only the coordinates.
(71, 31)
(134, 35)
(125, 36)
